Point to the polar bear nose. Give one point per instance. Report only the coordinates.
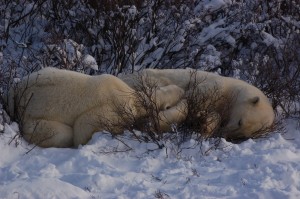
(234, 136)
(237, 140)
(229, 132)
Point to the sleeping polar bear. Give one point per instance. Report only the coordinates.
(250, 111)
(60, 108)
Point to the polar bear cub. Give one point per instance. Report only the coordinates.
(250, 111)
(60, 108)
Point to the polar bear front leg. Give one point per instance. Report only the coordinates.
(173, 116)
(212, 123)
(168, 96)
(46, 133)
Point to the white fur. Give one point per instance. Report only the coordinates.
(245, 119)
(60, 108)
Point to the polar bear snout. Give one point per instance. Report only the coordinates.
(243, 130)
(233, 135)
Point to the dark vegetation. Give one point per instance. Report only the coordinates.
(257, 41)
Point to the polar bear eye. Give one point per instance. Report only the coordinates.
(254, 100)
(240, 123)
(167, 107)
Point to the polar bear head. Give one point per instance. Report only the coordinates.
(250, 114)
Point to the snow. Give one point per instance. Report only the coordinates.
(210, 58)
(132, 11)
(261, 168)
(90, 62)
(210, 5)
(270, 40)
(70, 53)
(1, 57)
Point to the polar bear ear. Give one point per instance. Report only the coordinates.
(254, 100)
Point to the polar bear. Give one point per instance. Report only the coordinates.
(250, 111)
(60, 108)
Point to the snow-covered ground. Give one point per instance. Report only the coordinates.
(262, 168)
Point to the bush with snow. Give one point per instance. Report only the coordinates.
(254, 40)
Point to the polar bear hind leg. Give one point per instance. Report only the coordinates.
(93, 121)
(46, 133)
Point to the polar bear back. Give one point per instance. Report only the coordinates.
(184, 77)
(66, 89)
(179, 77)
